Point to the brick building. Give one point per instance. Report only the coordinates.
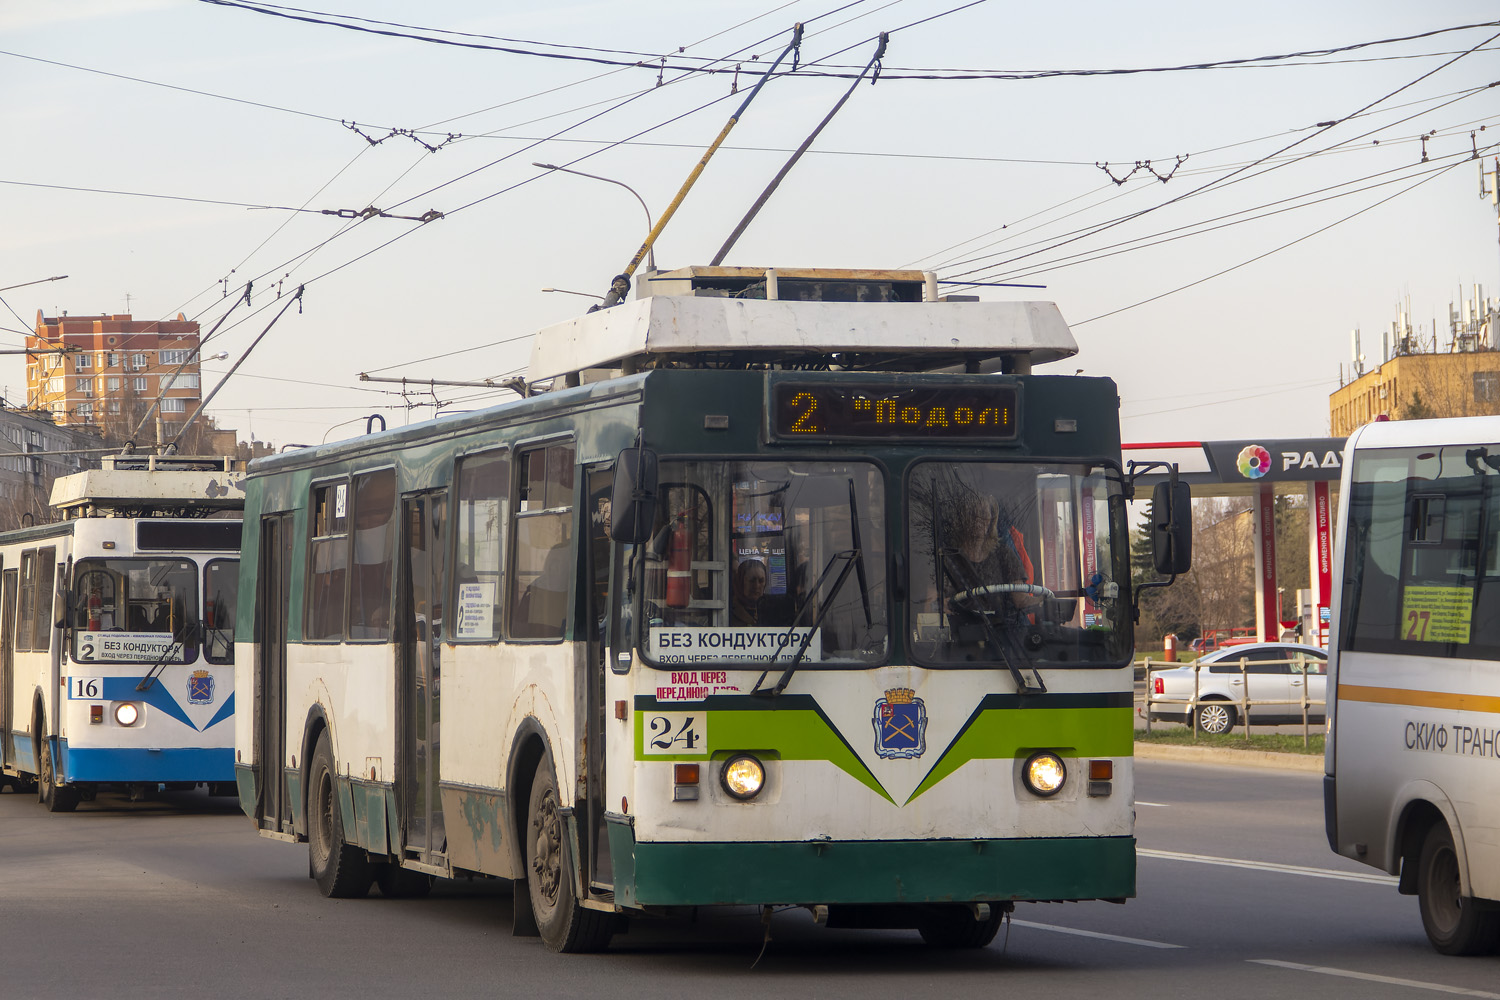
(1408, 386)
(106, 371)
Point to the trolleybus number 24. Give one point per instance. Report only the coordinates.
(675, 733)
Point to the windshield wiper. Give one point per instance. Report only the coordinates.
(850, 557)
(178, 642)
(859, 556)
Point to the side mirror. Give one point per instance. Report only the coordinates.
(1172, 528)
(632, 502)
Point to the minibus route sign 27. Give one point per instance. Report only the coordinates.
(815, 410)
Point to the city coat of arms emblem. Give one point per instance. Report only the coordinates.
(900, 725)
(200, 687)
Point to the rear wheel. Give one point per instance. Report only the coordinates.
(1215, 717)
(956, 927)
(1456, 924)
(563, 924)
(342, 871)
(56, 798)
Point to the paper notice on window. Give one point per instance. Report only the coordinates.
(1436, 614)
(476, 604)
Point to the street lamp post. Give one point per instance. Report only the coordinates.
(651, 256)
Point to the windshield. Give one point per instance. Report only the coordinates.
(1017, 564)
(134, 611)
(760, 562)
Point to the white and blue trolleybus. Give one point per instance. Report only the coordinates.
(117, 632)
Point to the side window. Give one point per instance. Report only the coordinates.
(483, 506)
(543, 556)
(27, 601)
(328, 555)
(221, 585)
(1269, 661)
(374, 547)
(46, 564)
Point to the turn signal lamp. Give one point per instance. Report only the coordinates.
(1101, 778)
(1044, 773)
(685, 778)
(96, 714)
(743, 777)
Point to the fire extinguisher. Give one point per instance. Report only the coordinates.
(679, 565)
(94, 606)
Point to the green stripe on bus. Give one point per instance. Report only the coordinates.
(797, 734)
(1008, 733)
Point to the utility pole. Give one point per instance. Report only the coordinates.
(1491, 190)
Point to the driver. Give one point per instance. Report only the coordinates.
(988, 549)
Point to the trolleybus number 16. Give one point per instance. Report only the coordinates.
(675, 733)
(85, 687)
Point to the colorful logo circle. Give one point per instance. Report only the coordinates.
(1254, 461)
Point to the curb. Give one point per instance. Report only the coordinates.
(1242, 758)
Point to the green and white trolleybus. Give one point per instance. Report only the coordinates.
(1413, 755)
(795, 588)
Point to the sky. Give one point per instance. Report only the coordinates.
(163, 153)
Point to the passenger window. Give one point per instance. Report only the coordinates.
(27, 597)
(46, 563)
(374, 544)
(483, 505)
(544, 556)
(328, 555)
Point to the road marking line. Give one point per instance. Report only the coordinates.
(1159, 805)
(1371, 978)
(1095, 934)
(1269, 866)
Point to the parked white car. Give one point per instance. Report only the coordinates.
(1273, 671)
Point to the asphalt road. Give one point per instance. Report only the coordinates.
(1239, 897)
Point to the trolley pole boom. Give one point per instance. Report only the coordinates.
(621, 284)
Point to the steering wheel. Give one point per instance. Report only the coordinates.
(967, 596)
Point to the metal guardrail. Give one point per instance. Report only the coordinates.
(1244, 702)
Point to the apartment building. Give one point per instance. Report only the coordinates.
(106, 371)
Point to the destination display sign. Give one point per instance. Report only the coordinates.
(813, 411)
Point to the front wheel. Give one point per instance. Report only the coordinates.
(1456, 924)
(57, 798)
(563, 924)
(1215, 717)
(342, 870)
(955, 927)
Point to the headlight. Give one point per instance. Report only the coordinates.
(743, 776)
(1044, 773)
(127, 714)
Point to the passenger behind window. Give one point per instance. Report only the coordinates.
(749, 590)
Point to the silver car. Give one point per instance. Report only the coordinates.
(1275, 672)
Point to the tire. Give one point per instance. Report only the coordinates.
(1216, 717)
(58, 799)
(955, 927)
(341, 870)
(1456, 924)
(402, 883)
(563, 924)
